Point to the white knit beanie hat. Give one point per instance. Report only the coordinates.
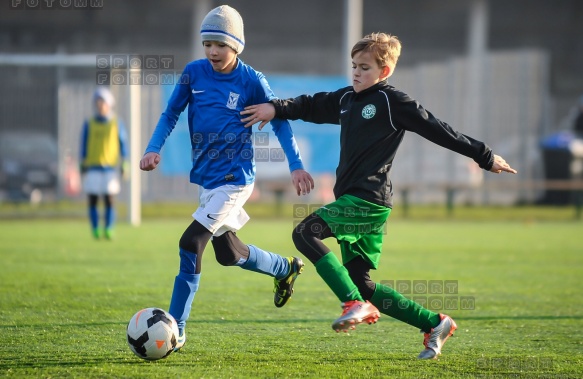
(104, 94)
(224, 24)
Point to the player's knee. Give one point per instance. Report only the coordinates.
(109, 201)
(224, 253)
(225, 257)
(303, 232)
(306, 232)
(187, 241)
(297, 237)
(195, 238)
(93, 200)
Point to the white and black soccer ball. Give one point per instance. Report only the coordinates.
(152, 334)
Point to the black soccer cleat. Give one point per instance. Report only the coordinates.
(284, 288)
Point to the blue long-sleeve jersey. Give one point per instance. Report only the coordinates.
(222, 148)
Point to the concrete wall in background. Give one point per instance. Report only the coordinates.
(531, 76)
(304, 36)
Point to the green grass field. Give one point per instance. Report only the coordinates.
(66, 299)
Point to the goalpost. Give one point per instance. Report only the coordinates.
(89, 61)
(353, 11)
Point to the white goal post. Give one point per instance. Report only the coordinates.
(89, 61)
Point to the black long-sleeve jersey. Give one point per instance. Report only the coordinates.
(373, 123)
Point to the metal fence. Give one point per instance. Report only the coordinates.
(512, 107)
(507, 108)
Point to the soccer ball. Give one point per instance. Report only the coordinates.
(152, 334)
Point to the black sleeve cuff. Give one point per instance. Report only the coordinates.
(488, 161)
(277, 105)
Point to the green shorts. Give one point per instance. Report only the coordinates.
(358, 225)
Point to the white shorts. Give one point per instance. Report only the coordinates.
(97, 182)
(221, 209)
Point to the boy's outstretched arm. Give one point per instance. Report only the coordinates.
(260, 112)
(500, 165)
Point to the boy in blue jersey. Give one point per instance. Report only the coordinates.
(103, 149)
(216, 89)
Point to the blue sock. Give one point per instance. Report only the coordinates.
(109, 217)
(266, 263)
(185, 287)
(94, 217)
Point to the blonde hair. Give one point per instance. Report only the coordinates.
(385, 48)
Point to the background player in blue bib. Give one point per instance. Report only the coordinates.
(103, 153)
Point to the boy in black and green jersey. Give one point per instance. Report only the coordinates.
(373, 117)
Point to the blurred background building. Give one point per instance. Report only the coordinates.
(520, 86)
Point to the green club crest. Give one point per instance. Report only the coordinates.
(369, 111)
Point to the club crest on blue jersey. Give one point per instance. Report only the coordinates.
(233, 99)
